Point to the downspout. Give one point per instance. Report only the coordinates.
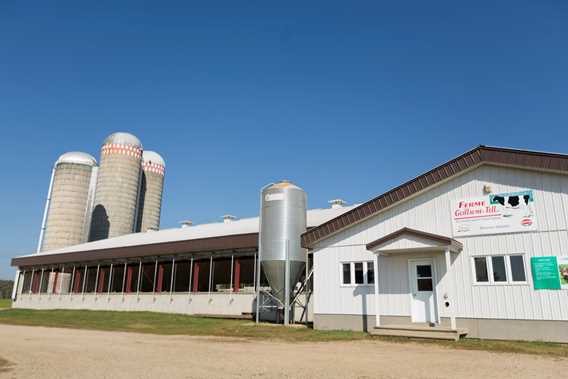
(45, 211)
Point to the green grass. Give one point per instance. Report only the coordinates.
(522, 347)
(171, 324)
(5, 303)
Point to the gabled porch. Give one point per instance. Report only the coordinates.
(429, 288)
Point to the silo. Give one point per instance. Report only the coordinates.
(283, 220)
(66, 213)
(151, 190)
(118, 182)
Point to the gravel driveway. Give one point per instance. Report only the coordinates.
(64, 353)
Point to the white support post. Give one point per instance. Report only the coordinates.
(377, 296)
(231, 279)
(72, 282)
(47, 287)
(15, 286)
(172, 274)
(450, 287)
(210, 273)
(97, 280)
(138, 283)
(84, 281)
(109, 281)
(190, 276)
(41, 282)
(154, 282)
(124, 278)
(31, 281)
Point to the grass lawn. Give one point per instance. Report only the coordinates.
(5, 303)
(170, 324)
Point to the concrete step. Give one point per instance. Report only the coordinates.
(436, 332)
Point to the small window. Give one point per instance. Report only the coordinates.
(370, 273)
(499, 270)
(518, 268)
(346, 273)
(481, 275)
(359, 273)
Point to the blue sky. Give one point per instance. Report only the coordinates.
(348, 99)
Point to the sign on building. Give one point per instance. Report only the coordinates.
(549, 272)
(494, 214)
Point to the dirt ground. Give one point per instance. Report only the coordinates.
(64, 353)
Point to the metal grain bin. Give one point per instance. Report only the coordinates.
(283, 220)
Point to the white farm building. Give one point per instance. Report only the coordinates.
(476, 247)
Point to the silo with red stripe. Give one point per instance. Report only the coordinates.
(117, 190)
(151, 191)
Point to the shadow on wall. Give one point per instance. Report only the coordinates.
(363, 292)
(100, 225)
(141, 197)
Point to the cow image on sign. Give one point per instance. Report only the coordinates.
(494, 214)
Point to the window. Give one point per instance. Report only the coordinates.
(499, 269)
(347, 273)
(518, 268)
(370, 273)
(481, 270)
(424, 278)
(357, 273)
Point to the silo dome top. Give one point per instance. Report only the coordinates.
(77, 157)
(284, 184)
(121, 138)
(153, 157)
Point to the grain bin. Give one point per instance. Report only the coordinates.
(66, 214)
(118, 182)
(283, 220)
(151, 190)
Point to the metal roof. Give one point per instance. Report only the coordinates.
(532, 160)
(152, 157)
(122, 138)
(217, 236)
(77, 157)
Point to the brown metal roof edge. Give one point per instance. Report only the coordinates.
(230, 242)
(419, 233)
(479, 155)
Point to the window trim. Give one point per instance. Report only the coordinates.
(490, 274)
(351, 264)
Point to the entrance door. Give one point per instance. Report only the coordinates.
(421, 274)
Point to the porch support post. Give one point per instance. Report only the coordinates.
(377, 307)
(450, 286)
(172, 275)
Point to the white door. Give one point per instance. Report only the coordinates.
(421, 274)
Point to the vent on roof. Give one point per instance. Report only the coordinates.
(337, 203)
(228, 218)
(186, 223)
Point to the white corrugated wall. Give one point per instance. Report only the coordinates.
(430, 212)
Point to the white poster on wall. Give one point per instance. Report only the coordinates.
(494, 214)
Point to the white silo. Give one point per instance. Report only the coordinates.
(151, 190)
(66, 215)
(118, 182)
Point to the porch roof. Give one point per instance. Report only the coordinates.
(412, 239)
